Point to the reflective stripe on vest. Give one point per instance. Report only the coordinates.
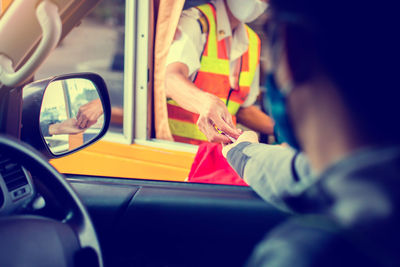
(213, 77)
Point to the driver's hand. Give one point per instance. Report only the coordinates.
(247, 136)
(89, 113)
(215, 114)
(68, 126)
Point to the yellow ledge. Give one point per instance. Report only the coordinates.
(127, 161)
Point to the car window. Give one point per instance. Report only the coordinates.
(143, 155)
(205, 158)
(96, 45)
(179, 55)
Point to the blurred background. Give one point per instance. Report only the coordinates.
(96, 45)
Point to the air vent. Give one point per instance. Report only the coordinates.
(12, 173)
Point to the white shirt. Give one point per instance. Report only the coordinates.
(188, 46)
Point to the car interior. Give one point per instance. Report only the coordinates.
(53, 219)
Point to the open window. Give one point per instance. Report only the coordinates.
(167, 21)
(127, 43)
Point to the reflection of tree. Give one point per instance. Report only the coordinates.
(49, 114)
(52, 114)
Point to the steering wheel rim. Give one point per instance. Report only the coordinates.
(78, 217)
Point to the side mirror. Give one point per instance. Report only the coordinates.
(66, 113)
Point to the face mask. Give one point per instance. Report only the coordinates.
(276, 102)
(246, 10)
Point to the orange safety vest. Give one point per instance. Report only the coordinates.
(4, 4)
(213, 77)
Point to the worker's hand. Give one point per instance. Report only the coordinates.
(89, 113)
(215, 114)
(247, 136)
(68, 126)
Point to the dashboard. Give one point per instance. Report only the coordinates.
(16, 186)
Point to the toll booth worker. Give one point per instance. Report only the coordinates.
(213, 72)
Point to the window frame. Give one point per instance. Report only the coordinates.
(141, 95)
(136, 125)
(127, 135)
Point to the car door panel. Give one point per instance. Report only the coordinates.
(107, 203)
(149, 223)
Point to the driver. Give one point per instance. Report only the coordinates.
(332, 78)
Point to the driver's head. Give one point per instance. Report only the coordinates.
(246, 10)
(337, 63)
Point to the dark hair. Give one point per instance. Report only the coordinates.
(356, 43)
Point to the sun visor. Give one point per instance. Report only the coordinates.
(21, 29)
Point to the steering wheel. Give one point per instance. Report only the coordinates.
(33, 240)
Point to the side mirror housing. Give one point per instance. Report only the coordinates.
(63, 114)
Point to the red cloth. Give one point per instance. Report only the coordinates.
(210, 166)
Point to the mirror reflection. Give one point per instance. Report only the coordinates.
(71, 114)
